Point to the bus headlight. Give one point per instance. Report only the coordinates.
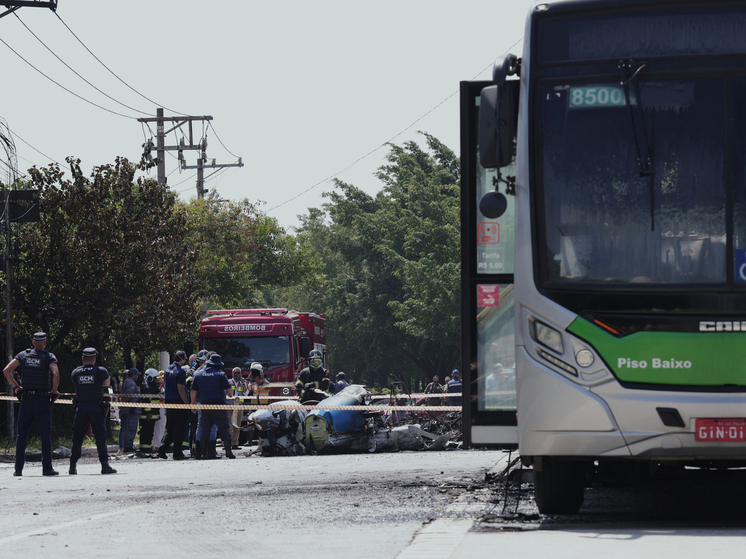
(286, 391)
(548, 337)
(558, 362)
(584, 358)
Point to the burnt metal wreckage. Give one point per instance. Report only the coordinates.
(365, 423)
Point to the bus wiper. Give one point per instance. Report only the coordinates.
(629, 71)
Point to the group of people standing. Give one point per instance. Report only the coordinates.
(199, 380)
(452, 385)
(33, 390)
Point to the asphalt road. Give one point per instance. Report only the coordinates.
(361, 505)
(432, 505)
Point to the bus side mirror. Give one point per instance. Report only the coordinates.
(189, 347)
(305, 347)
(488, 127)
(497, 126)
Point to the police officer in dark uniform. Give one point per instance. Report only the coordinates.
(174, 380)
(90, 409)
(209, 387)
(312, 377)
(191, 434)
(36, 365)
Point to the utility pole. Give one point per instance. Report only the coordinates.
(161, 147)
(8, 310)
(19, 206)
(202, 164)
(8, 198)
(160, 139)
(15, 5)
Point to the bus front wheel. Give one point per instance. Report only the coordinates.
(559, 486)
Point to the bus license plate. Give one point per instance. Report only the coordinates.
(724, 430)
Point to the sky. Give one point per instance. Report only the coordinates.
(303, 92)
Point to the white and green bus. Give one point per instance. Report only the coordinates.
(612, 157)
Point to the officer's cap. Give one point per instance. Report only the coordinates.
(215, 360)
(134, 371)
(90, 352)
(40, 337)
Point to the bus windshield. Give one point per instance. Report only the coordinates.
(242, 352)
(606, 221)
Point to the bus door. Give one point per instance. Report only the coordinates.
(487, 248)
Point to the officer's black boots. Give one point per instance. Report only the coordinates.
(17, 473)
(229, 451)
(73, 469)
(52, 472)
(212, 452)
(208, 451)
(106, 469)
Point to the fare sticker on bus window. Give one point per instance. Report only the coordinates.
(591, 96)
(488, 233)
(488, 295)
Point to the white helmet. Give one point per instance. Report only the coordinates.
(152, 373)
(256, 366)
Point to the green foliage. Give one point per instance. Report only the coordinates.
(387, 269)
(240, 252)
(121, 265)
(222, 233)
(106, 266)
(428, 223)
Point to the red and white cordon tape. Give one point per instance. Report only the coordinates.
(234, 407)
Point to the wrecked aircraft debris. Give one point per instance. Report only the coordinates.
(350, 430)
(280, 430)
(351, 421)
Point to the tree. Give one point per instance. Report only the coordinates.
(240, 251)
(223, 234)
(106, 265)
(426, 192)
(388, 272)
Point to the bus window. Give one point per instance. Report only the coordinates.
(495, 348)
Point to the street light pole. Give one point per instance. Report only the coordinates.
(8, 310)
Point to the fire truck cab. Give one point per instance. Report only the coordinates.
(279, 339)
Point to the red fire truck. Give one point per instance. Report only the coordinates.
(279, 339)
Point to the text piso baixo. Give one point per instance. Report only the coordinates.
(627, 363)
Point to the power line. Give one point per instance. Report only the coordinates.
(221, 141)
(182, 182)
(215, 173)
(63, 87)
(73, 71)
(351, 165)
(359, 159)
(111, 71)
(33, 148)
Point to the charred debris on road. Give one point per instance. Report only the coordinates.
(380, 426)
